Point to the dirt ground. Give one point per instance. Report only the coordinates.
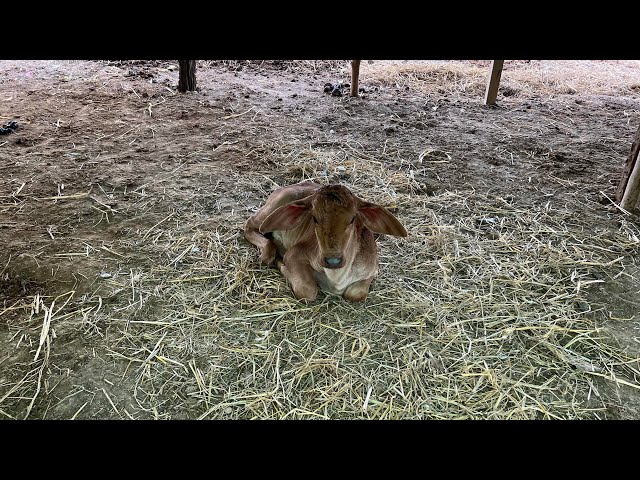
(108, 162)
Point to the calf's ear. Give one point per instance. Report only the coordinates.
(380, 220)
(285, 217)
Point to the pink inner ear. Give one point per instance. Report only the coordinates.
(294, 211)
(291, 216)
(372, 213)
(284, 218)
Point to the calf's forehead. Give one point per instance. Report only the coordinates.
(334, 199)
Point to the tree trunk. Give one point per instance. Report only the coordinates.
(629, 186)
(355, 73)
(187, 80)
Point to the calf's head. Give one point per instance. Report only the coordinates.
(336, 215)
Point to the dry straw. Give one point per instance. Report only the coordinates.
(479, 313)
(520, 78)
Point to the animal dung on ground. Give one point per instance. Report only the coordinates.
(321, 237)
(335, 90)
(8, 127)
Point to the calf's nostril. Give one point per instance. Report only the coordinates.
(333, 261)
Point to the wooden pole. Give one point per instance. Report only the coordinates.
(493, 83)
(632, 193)
(629, 186)
(187, 76)
(355, 73)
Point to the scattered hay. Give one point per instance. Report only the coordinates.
(306, 66)
(544, 78)
(480, 313)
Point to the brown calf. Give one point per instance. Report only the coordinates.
(321, 236)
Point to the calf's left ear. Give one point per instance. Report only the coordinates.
(380, 220)
(286, 217)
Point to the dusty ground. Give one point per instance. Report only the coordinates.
(109, 163)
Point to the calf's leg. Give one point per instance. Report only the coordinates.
(266, 246)
(357, 291)
(299, 273)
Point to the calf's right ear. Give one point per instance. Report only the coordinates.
(380, 220)
(285, 217)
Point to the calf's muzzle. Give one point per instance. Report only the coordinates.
(333, 262)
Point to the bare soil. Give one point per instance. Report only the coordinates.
(104, 151)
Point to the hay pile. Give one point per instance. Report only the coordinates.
(479, 313)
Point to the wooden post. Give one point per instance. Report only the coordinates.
(493, 83)
(187, 76)
(355, 73)
(629, 187)
(631, 194)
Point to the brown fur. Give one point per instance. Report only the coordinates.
(307, 228)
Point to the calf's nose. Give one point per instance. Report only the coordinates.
(333, 262)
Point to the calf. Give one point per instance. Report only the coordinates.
(321, 236)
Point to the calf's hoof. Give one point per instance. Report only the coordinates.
(357, 292)
(306, 293)
(268, 254)
(357, 297)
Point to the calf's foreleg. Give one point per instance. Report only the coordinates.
(297, 270)
(358, 291)
(265, 245)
